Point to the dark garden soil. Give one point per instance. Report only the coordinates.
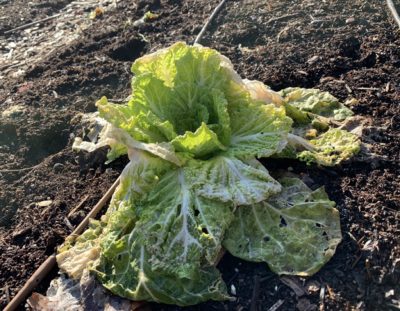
(21, 12)
(349, 48)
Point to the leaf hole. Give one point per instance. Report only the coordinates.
(178, 210)
(266, 238)
(119, 257)
(204, 230)
(283, 222)
(196, 212)
(324, 233)
(318, 225)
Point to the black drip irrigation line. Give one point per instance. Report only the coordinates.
(32, 23)
(212, 16)
(393, 10)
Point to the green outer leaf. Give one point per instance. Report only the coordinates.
(295, 231)
(182, 230)
(332, 147)
(118, 115)
(200, 143)
(137, 178)
(229, 179)
(298, 116)
(163, 150)
(125, 270)
(124, 133)
(142, 126)
(134, 260)
(116, 150)
(257, 129)
(76, 255)
(315, 101)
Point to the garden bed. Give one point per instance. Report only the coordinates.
(350, 48)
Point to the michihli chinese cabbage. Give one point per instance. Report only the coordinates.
(193, 131)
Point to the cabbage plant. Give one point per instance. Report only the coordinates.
(193, 131)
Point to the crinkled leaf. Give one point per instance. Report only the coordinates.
(257, 129)
(161, 62)
(315, 101)
(182, 230)
(186, 77)
(199, 80)
(332, 147)
(71, 295)
(125, 269)
(295, 231)
(137, 178)
(259, 91)
(229, 179)
(76, 255)
(181, 64)
(188, 91)
(163, 150)
(219, 117)
(144, 126)
(313, 139)
(99, 137)
(200, 143)
(157, 232)
(151, 97)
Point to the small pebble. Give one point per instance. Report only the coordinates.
(313, 60)
(350, 20)
(313, 287)
(44, 203)
(233, 289)
(389, 293)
